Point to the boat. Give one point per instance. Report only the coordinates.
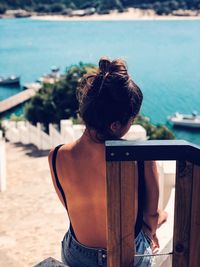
(9, 81)
(52, 77)
(187, 120)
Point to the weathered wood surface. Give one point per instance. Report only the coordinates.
(152, 150)
(120, 213)
(128, 182)
(194, 260)
(182, 220)
(113, 214)
(50, 262)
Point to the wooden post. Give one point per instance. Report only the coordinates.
(182, 220)
(186, 239)
(120, 213)
(194, 260)
(128, 186)
(113, 214)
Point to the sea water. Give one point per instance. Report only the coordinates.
(163, 57)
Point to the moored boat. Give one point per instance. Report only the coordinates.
(9, 81)
(185, 120)
(52, 77)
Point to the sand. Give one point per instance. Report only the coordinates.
(130, 14)
(32, 220)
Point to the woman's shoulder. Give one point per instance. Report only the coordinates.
(62, 150)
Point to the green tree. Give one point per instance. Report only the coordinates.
(174, 5)
(55, 102)
(57, 8)
(106, 5)
(165, 6)
(161, 132)
(2, 8)
(41, 108)
(154, 132)
(42, 8)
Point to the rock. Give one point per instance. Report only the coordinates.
(50, 262)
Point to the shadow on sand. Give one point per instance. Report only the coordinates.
(32, 150)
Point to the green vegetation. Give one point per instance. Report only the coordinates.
(17, 118)
(2, 129)
(58, 101)
(2, 8)
(101, 6)
(154, 132)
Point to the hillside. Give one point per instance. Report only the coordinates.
(100, 6)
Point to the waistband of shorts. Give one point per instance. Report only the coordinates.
(73, 244)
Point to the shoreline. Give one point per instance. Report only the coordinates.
(130, 14)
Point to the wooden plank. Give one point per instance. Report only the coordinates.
(128, 185)
(113, 214)
(195, 220)
(152, 150)
(182, 221)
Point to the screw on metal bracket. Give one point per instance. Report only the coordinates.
(179, 248)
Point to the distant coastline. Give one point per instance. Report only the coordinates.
(129, 14)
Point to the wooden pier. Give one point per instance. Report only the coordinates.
(19, 98)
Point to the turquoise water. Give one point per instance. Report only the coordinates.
(162, 56)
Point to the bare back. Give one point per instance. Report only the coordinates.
(81, 171)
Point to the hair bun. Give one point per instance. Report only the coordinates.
(104, 65)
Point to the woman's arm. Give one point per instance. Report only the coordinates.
(151, 213)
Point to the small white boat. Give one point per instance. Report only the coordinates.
(186, 120)
(9, 81)
(52, 77)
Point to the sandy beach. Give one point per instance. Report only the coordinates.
(32, 220)
(130, 14)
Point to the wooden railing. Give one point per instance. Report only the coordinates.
(122, 157)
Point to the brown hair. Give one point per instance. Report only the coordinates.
(108, 95)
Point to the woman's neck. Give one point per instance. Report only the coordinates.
(90, 136)
(89, 142)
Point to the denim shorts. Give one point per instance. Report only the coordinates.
(75, 254)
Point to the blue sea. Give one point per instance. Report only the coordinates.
(162, 56)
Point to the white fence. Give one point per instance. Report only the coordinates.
(2, 164)
(27, 133)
